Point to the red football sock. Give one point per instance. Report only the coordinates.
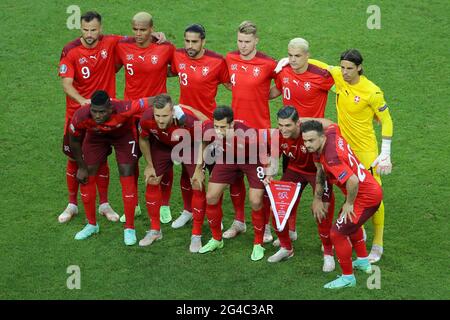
(266, 209)
(129, 199)
(166, 187)
(237, 194)
(88, 195)
(283, 236)
(72, 182)
(186, 191)
(358, 243)
(103, 182)
(214, 214)
(136, 181)
(343, 250)
(153, 203)
(258, 226)
(324, 229)
(198, 211)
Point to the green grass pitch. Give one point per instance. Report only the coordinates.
(408, 57)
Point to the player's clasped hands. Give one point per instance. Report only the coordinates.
(149, 174)
(347, 212)
(82, 175)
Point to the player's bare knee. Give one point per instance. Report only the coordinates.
(255, 202)
(212, 199)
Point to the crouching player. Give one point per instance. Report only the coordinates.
(107, 123)
(231, 142)
(158, 136)
(301, 168)
(335, 160)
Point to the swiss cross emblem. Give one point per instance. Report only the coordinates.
(234, 67)
(256, 71)
(130, 57)
(286, 80)
(104, 54)
(357, 99)
(182, 66)
(307, 86)
(205, 71)
(154, 59)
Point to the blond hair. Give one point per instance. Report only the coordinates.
(299, 43)
(247, 27)
(143, 17)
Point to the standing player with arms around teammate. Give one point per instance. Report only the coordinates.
(200, 72)
(301, 168)
(86, 65)
(304, 86)
(146, 63)
(251, 73)
(359, 102)
(336, 161)
(106, 123)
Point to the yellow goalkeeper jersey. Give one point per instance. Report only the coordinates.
(357, 106)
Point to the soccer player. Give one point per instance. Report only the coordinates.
(229, 139)
(87, 64)
(158, 131)
(335, 160)
(146, 63)
(359, 101)
(200, 73)
(106, 123)
(251, 73)
(301, 169)
(304, 86)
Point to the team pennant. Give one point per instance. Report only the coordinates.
(282, 195)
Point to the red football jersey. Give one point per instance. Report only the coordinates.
(300, 160)
(121, 119)
(199, 79)
(90, 68)
(307, 92)
(145, 68)
(250, 81)
(149, 127)
(247, 143)
(340, 163)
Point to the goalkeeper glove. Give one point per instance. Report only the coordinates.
(383, 161)
(282, 63)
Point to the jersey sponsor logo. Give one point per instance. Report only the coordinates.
(286, 80)
(82, 60)
(119, 125)
(234, 67)
(104, 54)
(94, 57)
(142, 58)
(296, 82)
(154, 59)
(342, 175)
(72, 128)
(193, 67)
(245, 68)
(307, 86)
(256, 71)
(341, 144)
(383, 108)
(357, 99)
(63, 68)
(205, 71)
(182, 66)
(130, 57)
